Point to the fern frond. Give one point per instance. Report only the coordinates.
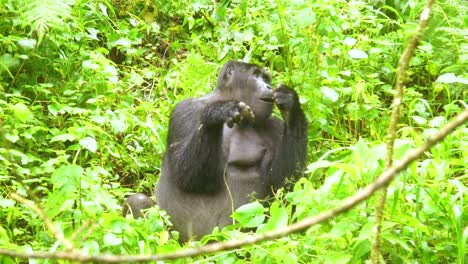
(42, 15)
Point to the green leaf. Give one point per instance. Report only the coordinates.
(12, 137)
(278, 219)
(67, 177)
(329, 94)
(437, 121)
(89, 143)
(110, 239)
(357, 54)
(250, 215)
(7, 61)
(63, 138)
(21, 112)
(27, 43)
(53, 109)
(305, 17)
(290, 258)
(350, 41)
(4, 203)
(419, 120)
(451, 78)
(338, 257)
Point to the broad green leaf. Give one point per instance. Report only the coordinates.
(4, 203)
(278, 219)
(67, 177)
(59, 201)
(290, 258)
(451, 78)
(118, 125)
(318, 164)
(118, 226)
(338, 257)
(7, 61)
(110, 239)
(53, 109)
(329, 94)
(89, 143)
(349, 41)
(357, 54)
(437, 121)
(21, 112)
(63, 138)
(419, 120)
(27, 43)
(250, 215)
(305, 18)
(12, 137)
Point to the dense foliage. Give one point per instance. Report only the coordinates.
(86, 88)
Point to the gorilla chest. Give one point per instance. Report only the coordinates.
(248, 155)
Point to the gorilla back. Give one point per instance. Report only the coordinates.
(225, 148)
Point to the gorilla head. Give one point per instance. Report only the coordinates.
(249, 84)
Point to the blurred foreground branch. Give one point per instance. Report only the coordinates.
(401, 77)
(383, 180)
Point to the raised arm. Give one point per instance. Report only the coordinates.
(194, 142)
(291, 152)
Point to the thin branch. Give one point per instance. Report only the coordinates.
(401, 77)
(50, 226)
(386, 177)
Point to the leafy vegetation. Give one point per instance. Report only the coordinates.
(86, 88)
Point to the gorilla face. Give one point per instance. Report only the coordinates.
(250, 84)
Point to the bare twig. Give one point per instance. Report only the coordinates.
(397, 100)
(387, 176)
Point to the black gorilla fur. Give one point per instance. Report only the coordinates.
(225, 146)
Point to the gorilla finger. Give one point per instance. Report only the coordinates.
(237, 116)
(251, 116)
(244, 107)
(230, 122)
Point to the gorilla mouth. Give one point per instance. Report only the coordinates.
(267, 99)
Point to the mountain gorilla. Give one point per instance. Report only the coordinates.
(225, 147)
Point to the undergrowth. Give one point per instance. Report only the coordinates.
(86, 88)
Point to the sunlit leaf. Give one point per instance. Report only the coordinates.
(357, 54)
(250, 215)
(63, 137)
(21, 111)
(329, 94)
(27, 43)
(89, 143)
(420, 120)
(110, 239)
(4, 203)
(305, 17)
(12, 137)
(349, 41)
(278, 218)
(67, 177)
(437, 121)
(7, 61)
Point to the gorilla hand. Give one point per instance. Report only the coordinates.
(241, 114)
(286, 99)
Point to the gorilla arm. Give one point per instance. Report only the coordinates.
(194, 153)
(291, 153)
